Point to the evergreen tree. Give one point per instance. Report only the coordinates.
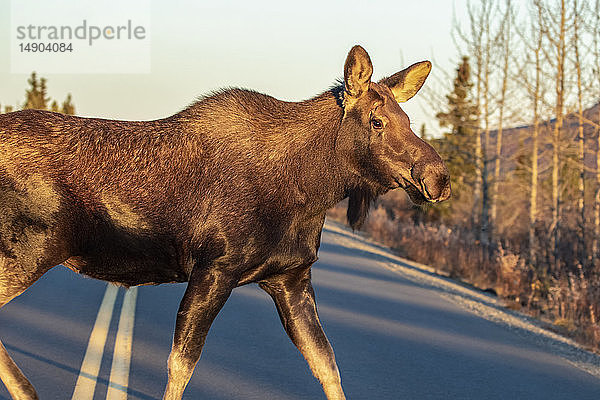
(7, 109)
(67, 106)
(458, 144)
(36, 96)
(43, 95)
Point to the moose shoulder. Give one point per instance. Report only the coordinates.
(230, 191)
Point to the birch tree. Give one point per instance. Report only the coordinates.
(504, 38)
(554, 27)
(581, 253)
(536, 36)
(596, 41)
(478, 44)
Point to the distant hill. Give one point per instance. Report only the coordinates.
(516, 141)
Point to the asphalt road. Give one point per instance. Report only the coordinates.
(395, 337)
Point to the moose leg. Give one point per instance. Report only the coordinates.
(295, 301)
(204, 297)
(17, 384)
(12, 284)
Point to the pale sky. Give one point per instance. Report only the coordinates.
(292, 51)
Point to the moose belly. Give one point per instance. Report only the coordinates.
(129, 259)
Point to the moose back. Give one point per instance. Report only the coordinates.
(230, 191)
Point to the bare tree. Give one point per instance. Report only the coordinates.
(504, 38)
(581, 253)
(474, 42)
(478, 44)
(535, 93)
(596, 41)
(554, 28)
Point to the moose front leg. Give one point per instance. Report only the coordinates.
(295, 301)
(206, 293)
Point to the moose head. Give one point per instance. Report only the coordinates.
(387, 153)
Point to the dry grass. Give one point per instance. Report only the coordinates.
(568, 299)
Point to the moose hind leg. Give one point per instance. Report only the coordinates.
(17, 384)
(295, 301)
(32, 240)
(12, 284)
(204, 297)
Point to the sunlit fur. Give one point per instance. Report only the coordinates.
(230, 191)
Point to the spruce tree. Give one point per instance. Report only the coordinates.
(457, 146)
(36, 97)
(43, 95)
(31, 94)
(67, 106)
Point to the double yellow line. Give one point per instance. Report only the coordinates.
(90, 367)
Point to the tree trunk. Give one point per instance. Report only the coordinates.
(485, 195)
(534, 156)
(560, 82)
(581, 251)
(505, 54)
(595, 244)
(595, 249)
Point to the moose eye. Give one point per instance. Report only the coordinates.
(377, 123)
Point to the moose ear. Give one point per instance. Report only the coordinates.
(406, 83)
(357, 71)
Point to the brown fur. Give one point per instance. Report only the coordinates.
(231, 190)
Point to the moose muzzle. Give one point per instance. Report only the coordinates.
(432, 180)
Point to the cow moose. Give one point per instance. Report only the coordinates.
(230, 191)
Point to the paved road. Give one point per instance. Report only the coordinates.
(396, 337)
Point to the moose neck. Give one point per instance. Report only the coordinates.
(296, 143)
(319, 155)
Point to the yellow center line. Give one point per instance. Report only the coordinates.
(90, 367)
(119, 374)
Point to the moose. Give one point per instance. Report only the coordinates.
(230, 191)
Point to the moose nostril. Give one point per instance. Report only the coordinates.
(444, 186)
(433, 179)
(435, 187)
(425, 189)
(447, 191)
(431, 189)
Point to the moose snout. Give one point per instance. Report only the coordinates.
(433, 180)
